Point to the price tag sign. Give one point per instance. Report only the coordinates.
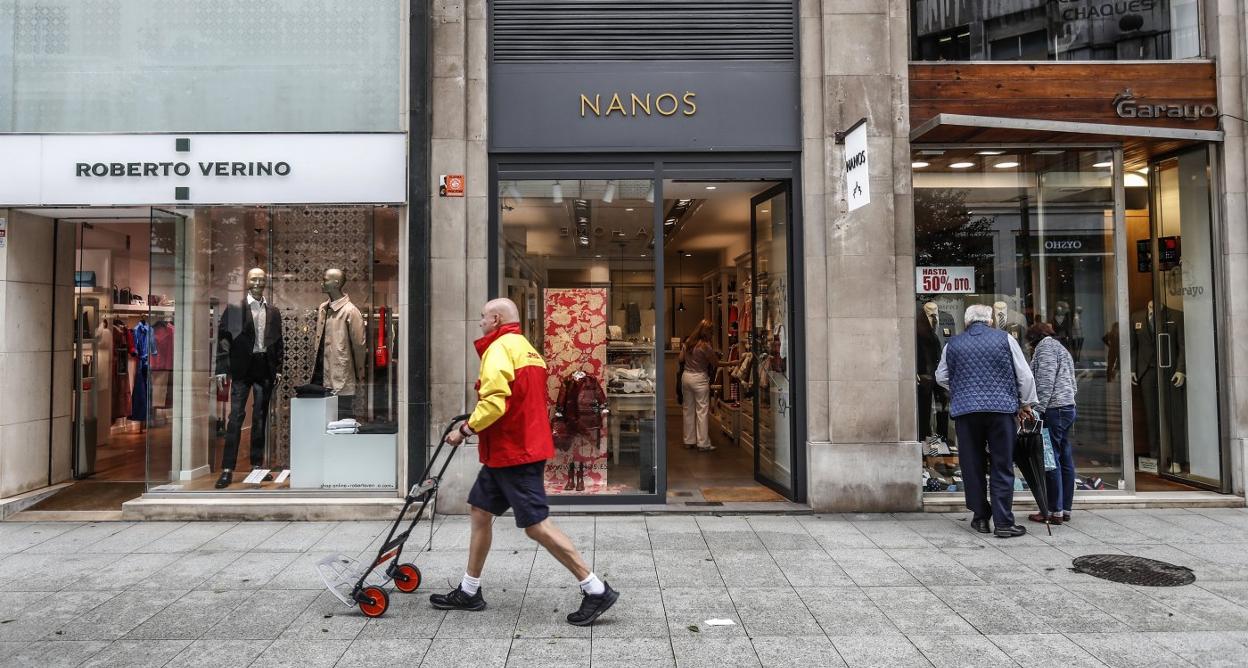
(256, 476)
(944, 280)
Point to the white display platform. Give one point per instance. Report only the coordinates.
(336, 461)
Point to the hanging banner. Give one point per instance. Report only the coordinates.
(857, 170)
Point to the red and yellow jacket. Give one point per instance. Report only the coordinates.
(510, 417)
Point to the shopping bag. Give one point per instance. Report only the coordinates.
(1050, 459)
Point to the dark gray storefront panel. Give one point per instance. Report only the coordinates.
(709, 106)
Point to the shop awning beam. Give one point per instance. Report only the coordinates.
(1028, 129)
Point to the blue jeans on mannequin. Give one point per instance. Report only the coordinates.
(1061, 481)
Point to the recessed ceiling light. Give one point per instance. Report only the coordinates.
(628, 210)
(597, 256)
(919, 164)
(1103, 165)
(1049, 152)
(1133, 180)
(962, 165)
(1005, 165)
(932, 151)
(712, 187)
(688, 254)
(989, 152)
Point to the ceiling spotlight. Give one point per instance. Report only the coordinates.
(962, 165)
(556, 193)
(712, 187)
(1006, 165)
(919, 164)
(989, 152)
(1103, 165)
(629, 210)
(609, 196)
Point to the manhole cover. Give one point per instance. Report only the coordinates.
(1134, 570)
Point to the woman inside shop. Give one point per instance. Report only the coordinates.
(699, 361)
(1054, 369)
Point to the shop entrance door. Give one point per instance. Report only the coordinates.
(162, 398)
(770, 331)
(1173, 352)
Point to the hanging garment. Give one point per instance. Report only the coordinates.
(381, 356)
(144, 347)
(632, 319)
(121, 373)
(581, 402)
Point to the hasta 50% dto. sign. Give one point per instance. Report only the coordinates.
(944, 280)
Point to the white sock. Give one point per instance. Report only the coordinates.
(470, 585)
(592, 585)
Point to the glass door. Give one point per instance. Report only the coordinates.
(770, 338)
(1174, 358)
(154, 350)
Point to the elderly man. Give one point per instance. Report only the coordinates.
(986, 375)
(515, 441)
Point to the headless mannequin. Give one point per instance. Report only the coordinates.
(930, 342)
(1179, 378)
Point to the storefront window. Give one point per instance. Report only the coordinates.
(577, 257)
(241, 348)
(1055, 30)
(1030, 233)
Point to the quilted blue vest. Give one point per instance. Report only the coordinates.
(981, 372)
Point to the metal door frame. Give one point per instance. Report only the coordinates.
(658, 168)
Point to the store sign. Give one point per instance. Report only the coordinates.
(451, 185)
(857, 169)
(69, 170)
(651, 106)
(1071, 244)
(1127, 105)
(944, 280)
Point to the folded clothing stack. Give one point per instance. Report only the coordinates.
(347, 426)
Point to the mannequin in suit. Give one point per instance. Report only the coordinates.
(1010, 321)
(250, 352)
(1150, 349)
(1063, 322)
(934, 327)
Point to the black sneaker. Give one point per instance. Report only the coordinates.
(458, 600)
(592, 606)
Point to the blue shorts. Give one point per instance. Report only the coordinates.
(520, 488)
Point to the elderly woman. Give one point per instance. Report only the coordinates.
(1054, 369)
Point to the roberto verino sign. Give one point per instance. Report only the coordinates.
(67, 170)
(660, 106)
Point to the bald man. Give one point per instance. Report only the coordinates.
(511, 421)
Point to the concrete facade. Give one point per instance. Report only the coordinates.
(35, 359)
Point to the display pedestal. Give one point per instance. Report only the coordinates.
(336, 461)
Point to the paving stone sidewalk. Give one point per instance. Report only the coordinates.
(863, 590)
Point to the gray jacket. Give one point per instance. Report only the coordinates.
(1054, 370)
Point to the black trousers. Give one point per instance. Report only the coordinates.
(930, 393)
(986, 450)
(261, 391)
(346, 406)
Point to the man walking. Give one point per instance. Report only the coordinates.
(512, 424)
(986, 375)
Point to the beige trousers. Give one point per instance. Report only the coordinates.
(697, 407)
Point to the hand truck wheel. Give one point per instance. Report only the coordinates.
(407, 578)
(373, 601)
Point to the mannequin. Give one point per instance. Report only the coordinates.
(250, 351)
(1150, 349)
(1012, 322)
(342, 348)
(1063, 324)
(933, 332)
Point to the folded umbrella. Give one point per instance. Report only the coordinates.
(1029, 458)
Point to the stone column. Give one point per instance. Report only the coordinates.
(860, 331)
(1226, 29)
(459, 233)
(37, 418)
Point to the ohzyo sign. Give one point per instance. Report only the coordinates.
(1127, 105)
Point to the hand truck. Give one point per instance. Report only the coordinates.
(357, 583)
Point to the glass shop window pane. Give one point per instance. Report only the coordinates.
(286, 329)
(1030, 234)
(578, 260)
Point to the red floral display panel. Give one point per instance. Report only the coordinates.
(576, 340)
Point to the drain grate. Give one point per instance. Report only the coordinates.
(704, 504)
(1134, 570)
